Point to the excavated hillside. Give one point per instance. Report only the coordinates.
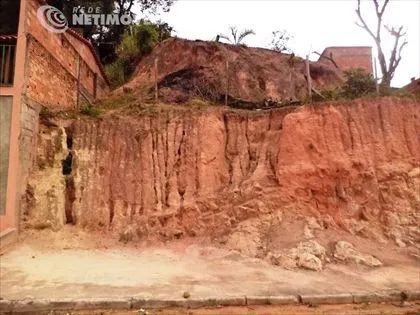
(286, 184)
(253, 75)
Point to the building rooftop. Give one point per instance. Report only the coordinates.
(7, 38)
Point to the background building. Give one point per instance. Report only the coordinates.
(346, 58)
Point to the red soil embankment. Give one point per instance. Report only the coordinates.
(198, 69)
(353, 166)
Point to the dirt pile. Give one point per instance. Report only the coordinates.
(254, 75)
(263, 183)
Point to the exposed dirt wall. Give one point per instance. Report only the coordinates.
(204, 173)
(188, 68)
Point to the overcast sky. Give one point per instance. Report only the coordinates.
(314, 24)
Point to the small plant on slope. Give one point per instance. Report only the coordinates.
(358, 83)
(237, 37)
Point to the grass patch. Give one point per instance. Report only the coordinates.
(198, 103)
(119, 101)
(91, 111)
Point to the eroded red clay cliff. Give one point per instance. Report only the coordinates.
(356, 164)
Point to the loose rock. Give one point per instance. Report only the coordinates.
(346, 252)
(310, 262)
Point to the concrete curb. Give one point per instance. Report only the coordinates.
(63, 304)
(394, 296)
(344, 298)
(23, 306)
(272, 300)
(138, 303)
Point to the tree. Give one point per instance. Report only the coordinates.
(136, 43)
(107, 38)
(358, 83)
(9, 16)
(280, 41)
(164, 30)
(387, 68)
(237, 37)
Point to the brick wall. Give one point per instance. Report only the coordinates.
(5, 122)
(54, 62)
(47, 72)
(350, 57)
(49, 83)
(88, 67)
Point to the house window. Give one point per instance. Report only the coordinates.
(7, 63)
(5, 122)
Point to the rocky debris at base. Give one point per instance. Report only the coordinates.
(248, 236)
(345, 251)
(309, 261)
(220, 174)
(307, 233)
(308, 255)
(313, 256)
(313, 248)
(402, 228)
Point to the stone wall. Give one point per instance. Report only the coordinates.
(27, 150)
(28, 135)
(5, 123)
(44, 202)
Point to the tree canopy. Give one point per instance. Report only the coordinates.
(107, 38)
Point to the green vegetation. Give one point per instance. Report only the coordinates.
(105, 39)
(136, 42)
(236, 36)
(115, 72)
(358, 83)
(45, 112)
(91, 111)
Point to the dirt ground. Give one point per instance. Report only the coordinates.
(75, 264)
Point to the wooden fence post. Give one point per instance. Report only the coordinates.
(308, 77)
(227, 83)
(156, 80)
(376, 76)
